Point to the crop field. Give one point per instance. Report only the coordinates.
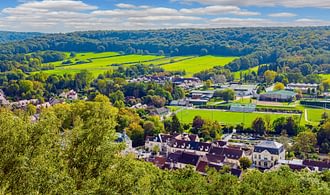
(314, 115)
(194, 65)
(230, 118)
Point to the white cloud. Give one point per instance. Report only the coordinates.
(73, 15)
(217, 10)
(282, 15)
(264, 3)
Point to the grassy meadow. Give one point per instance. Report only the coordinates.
(194, 65)
(230, 118)
(98, 63)
(315, 115)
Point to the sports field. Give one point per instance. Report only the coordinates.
(230, 118)
(315, 115)
(194, 65)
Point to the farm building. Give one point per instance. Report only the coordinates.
(278, 96)
(304, 87)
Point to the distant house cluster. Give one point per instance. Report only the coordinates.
(180, 150)
(186, 83)
(69, 95)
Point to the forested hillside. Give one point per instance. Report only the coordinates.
(7, 36)
(71, 150)
(290, 47)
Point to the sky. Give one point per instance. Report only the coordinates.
(80, 15)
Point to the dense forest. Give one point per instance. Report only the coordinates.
(71, 150)
(7, 36)
(291, 47)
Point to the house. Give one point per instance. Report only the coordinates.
(305, 88)
(181, 102)
(162, 112)
(70, 95)
(278, 96)
(266, 154)
(187, 83)
(181, 159)
(123, 138)
(311, 165)
(317, 165)
(232, 155)
(3, 100)
(23, 103)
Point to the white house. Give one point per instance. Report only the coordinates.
(266, 154)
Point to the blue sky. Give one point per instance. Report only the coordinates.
(76, 15)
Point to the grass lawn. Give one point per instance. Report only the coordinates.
(168, 60)
(230, 118)
(314, 115)
(325, 76)
(194, 65)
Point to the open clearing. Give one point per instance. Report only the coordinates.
(194, 65)
(238, 73)
(98, 63)
(230, 118)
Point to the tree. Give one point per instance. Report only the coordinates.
(270, 76)
(175, 124)
(323, 138)
(279, 86)
(325, 116)
(117, 96)
(101, 98)
(136, 133)
(198, 122)
(226, 94)
(305, 143)
(268, 122)
(149, 128)
(245, 162)
(259, 125)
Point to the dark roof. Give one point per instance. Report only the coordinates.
(183, 157)
(192, 137)
(314, 163)
(214, 158)
(191, 145)
(159, 161)
(220, 143)
(271, 146)
(296, 167)
(189, 158)
(227, 152)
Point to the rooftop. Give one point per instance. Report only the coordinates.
(269, 144)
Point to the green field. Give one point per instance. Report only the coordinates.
(230, 118)
(314, 115)
(98, 63)
(325, 76)
(237, 74)
(194, 65)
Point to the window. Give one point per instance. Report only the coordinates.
(265, 164)
(259, 156)
(255, 156)
(272, 158)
